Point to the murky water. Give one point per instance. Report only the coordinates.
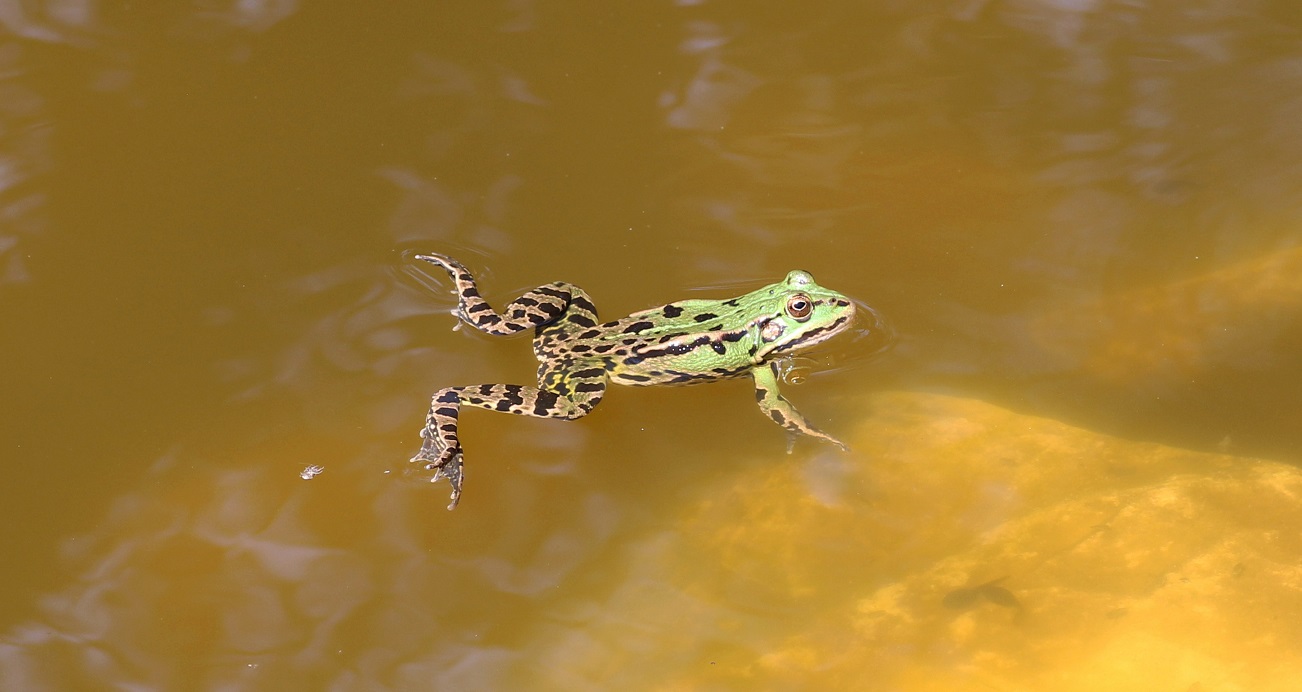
(1084, 213)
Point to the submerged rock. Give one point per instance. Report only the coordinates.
(963, 545)
(1233, 315)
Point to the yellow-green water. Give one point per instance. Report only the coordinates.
(1081, 219)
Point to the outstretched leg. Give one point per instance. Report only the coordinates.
(556, 310)
(537, 308)
(441, 450)
(776, 407)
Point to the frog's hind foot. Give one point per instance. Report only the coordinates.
(451, 471)
(444, 462)
(793, 435)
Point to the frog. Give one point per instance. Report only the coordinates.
(680, 343)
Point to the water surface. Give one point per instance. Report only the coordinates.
(1077, 211)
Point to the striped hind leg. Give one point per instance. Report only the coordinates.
(537, 308)
(441, 449)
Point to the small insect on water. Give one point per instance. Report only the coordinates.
(684, 342)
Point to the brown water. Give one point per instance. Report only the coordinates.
(1086, 211)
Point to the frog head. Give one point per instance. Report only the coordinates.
(796, 314)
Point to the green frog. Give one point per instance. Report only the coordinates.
(684, 342)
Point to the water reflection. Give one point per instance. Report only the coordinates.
(25, 158)
(218, 577)
(84, 23)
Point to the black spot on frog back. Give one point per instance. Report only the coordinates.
(638, 327)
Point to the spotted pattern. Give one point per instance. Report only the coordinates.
(686, 342)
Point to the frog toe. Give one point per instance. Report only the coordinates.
(431, 453)
(445, 464)
(832, 440)
(793, 435)
(451, 471)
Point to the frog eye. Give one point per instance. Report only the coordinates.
(799, 307)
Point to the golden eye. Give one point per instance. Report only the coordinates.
(799, 307)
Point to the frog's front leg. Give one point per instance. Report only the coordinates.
(441, 450)
(776, 407)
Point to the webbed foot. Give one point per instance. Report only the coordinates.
(445, 462)
(451, 471)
